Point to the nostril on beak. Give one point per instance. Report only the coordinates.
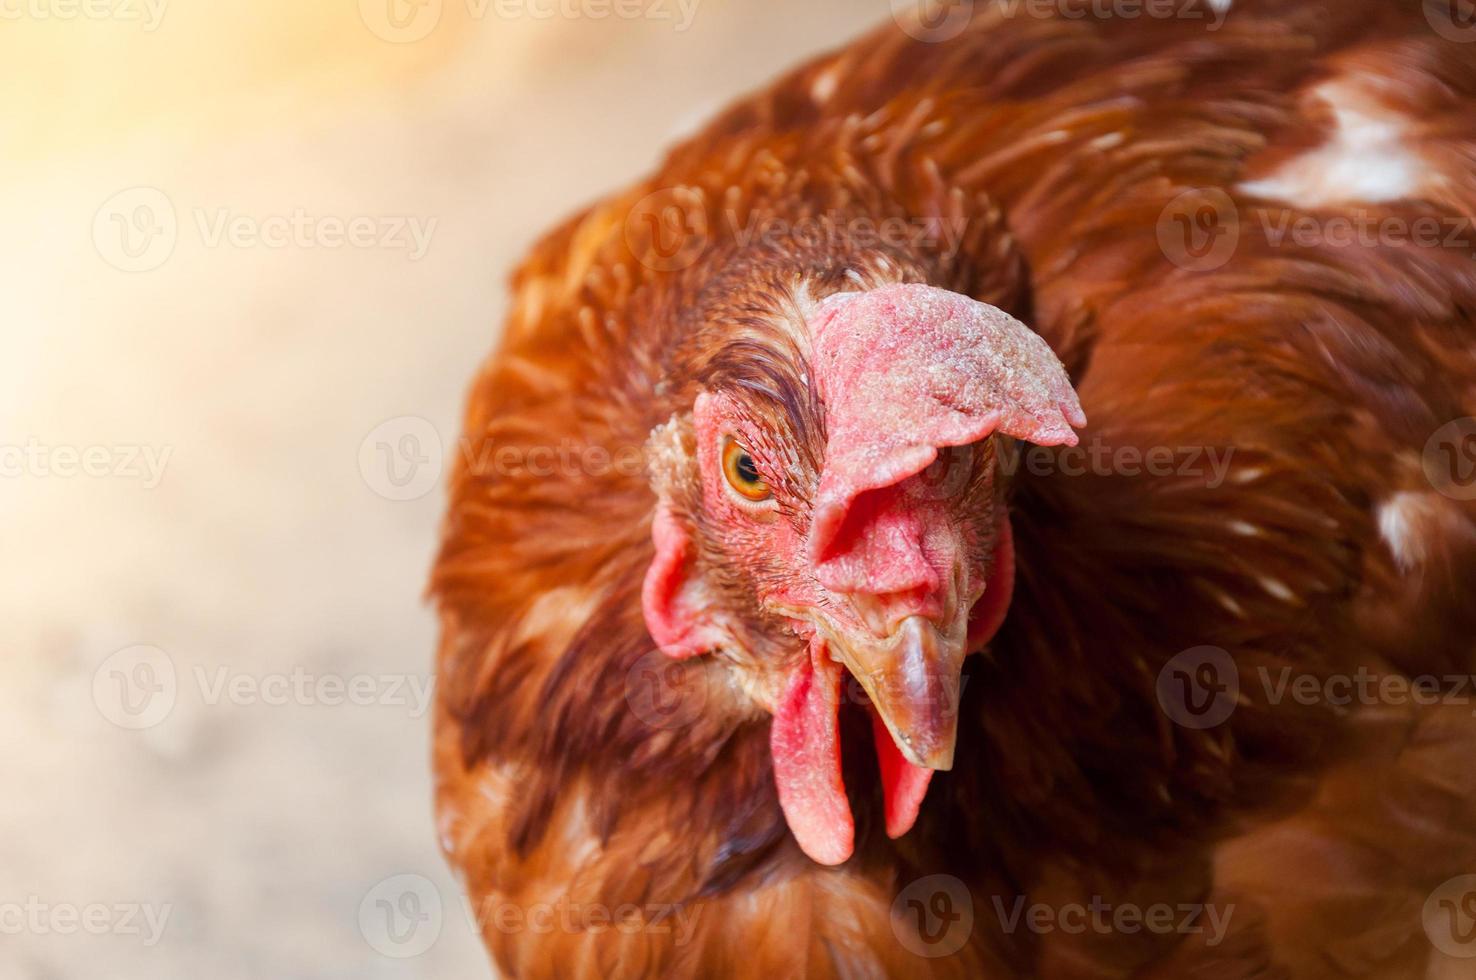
(885, 613)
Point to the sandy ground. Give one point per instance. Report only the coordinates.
(215, 653)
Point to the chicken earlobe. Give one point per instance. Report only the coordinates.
(677, 614)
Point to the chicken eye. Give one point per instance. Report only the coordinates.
(742, 473)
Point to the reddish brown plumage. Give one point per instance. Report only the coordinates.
(1056, 144)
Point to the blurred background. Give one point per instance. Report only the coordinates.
(253, 253)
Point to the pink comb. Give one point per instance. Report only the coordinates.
(904, 370)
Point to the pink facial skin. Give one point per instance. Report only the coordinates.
(904, 372)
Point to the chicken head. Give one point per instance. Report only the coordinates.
(884, 554)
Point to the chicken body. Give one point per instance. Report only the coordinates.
(1233, 680)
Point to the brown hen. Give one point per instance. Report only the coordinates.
(776, 438)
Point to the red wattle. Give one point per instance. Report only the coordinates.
(805, 743)
(903, 784)
(805, 737)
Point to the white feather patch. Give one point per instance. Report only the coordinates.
(1404, 521)
(1367, 158)
(824, 85)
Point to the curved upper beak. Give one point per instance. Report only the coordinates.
(913, 679)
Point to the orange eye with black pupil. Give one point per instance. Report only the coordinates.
(742, 474)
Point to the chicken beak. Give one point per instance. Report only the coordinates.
(913, 679)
